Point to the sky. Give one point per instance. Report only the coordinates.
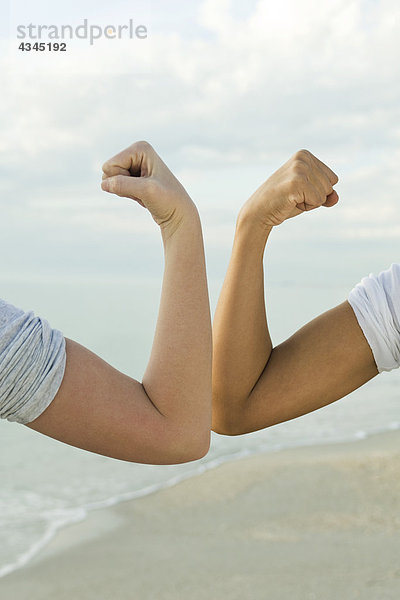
(226, 92)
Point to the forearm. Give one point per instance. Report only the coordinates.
(178, 375)
(241, 340)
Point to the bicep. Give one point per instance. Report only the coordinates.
(100, 409)
(325, 360)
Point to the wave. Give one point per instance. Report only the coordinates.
(63, 518)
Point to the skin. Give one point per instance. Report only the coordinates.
(255, 385)
(166, 418)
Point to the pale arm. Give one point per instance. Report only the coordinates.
(166, 418)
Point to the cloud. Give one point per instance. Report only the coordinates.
(226, 95)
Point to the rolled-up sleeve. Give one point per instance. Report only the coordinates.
(376, 304)
(32, 363)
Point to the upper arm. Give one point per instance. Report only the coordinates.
(325, 360)
(100, 409)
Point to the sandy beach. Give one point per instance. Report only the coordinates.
(319, 522)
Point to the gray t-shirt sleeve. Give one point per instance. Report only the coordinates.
(376, 304)
(32, 363)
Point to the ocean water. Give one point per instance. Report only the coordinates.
(46, 484)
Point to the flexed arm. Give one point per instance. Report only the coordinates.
(254, 384)
(166, 418)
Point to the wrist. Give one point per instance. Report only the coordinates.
(182, 222)
(260, 208)
(250, 239)
(248, 224)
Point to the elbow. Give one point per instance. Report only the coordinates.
(229, 422)
(228, 411)
(182, 435)
(172, 447)
(190, 438)
(187, 440)
(241, 421)
(202, 449)
(237, 417)
(196, 452)
(228, 428)
(189, 448)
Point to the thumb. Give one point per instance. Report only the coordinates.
(332, 199)
(126, 186)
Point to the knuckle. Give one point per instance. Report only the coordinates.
(143, 146)
(106, 166)
(299, 171)
(302, 154)
(298, 168)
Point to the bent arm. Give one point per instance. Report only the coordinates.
(166, 418)
(256, 385)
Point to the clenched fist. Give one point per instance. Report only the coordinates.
(140, 174)
(301, 184)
